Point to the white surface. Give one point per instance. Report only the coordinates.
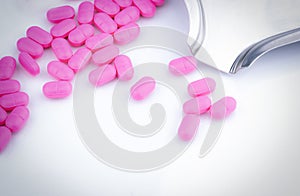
(256, 154)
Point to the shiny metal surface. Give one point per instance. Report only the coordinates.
(234, 34)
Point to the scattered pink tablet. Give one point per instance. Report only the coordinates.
(201, 87)
(31, 47)
(102, 75)
(29, 64)
(63, 28)
(99, 41)
(124, 67)
(80, 59)
(146, 7)
(107, 6)
(85, 12)
(123, 3)
(17, 119)
(198, 105)
(9, 86)
(61, 13)
(128, 15)
(127, 34)
(183, 65)
(5, 136)
(57, 89)
(223, 108)
(188, 127)
(3, 116)
(40, 36)
(105, 23)
(60, 71)
(142, 88)
(10, 101)
(62, 49)
(78, 36)
(105, 55)
(7, 67)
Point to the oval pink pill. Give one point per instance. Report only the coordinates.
(7, 67)
(105, 55)
(60, 71)
(201, 87)
(85, 12)
(62, 49)
(223, 108)
(17, 119)
(61, 13)
(80, 59)
(198, 105)
(146, 7)
(78, 36)
(63, 28)
(5, 136)
(3, 116)
(57, 89)
(105, 23)
(40, 36)
(107, 6)
(31, 47)
(128, 15)
(9, 86)
(102, 75)
(183, 65)
(99, 41)
(123, 3)
(10, 101)
(188, 127)
(158, 2)
(142, 88)
(29, 64)
(123, 67)
(126, 34)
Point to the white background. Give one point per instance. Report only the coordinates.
(256, 154)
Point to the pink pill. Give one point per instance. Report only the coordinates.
(188, 127)
(183, 65)
(201, 87)
(107, 6)
(198, 105)
(80, 59)
(158, 2)
(142, 88)
(7, 67)
(78, 36)
(17, 119)
(128, 15)
(63, 28)
(223, 108)
(5, 136)
(102, 75)
(29, 46)
(10, 101)
(126, 34)
(3, 116)
(105, 55)
(146, 7)
(9, 86)
(57, 89)
(105, 23)
(29, 64)
(40, 36)
(123, 3)
(62, 49)
(85, 12)
(124, 67)
(60, 71)
(99, 41)
(61, 13)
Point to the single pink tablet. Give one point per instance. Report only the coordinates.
(5, 136)
(62, 49)
(78, 36)
(9, 86)
(63, 28)
(127, 34)
(61, 13)
(80, 59)
(158, 2)
(57, 89)
(17, 119)
(3, 116)
(7, 67)
(105, 23)
(105, 55)
(31, 47)
(183, 65)
(128, 15)
(29, 64)
(40, 36)
(198, 105)
(124, 67)
(99, 41)
(201, 87)
(146, 7)
(60, 71)
(142, 88)
(188, 127)
(85, 12)
(123, 3)
(10, 101)
(102, 75)
(223, 108)
(107, 6)
(87, 30)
